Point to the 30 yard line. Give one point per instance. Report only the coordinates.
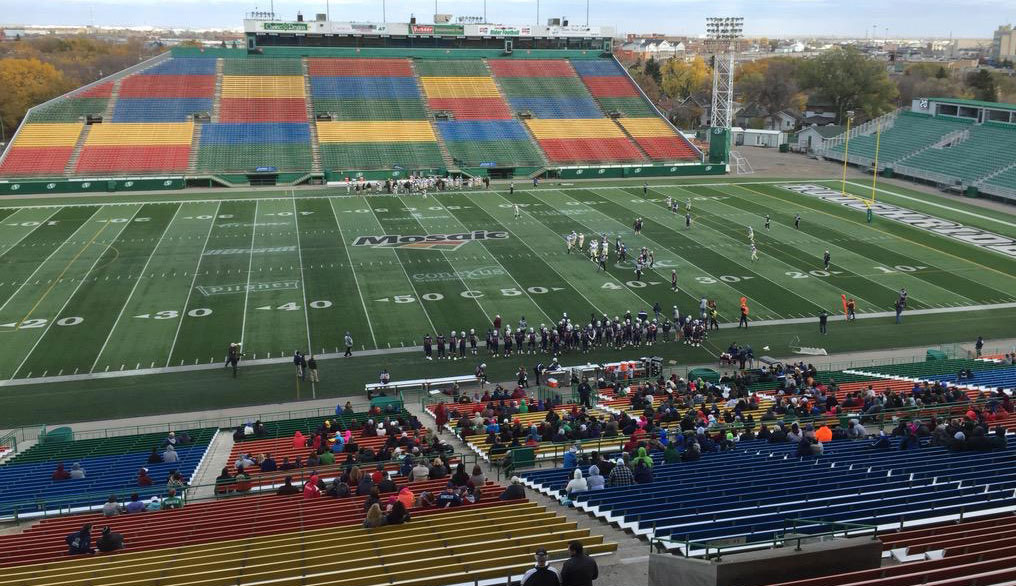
(135, 288)
(303, 283)
(76, 288)
(194, 281)
(250, 266)
(356, 281)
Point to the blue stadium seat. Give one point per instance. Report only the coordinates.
(159, 109)
(364, 87)
(255, 132)
(558, 107)
(183, 66)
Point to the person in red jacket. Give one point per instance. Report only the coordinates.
(60, 473)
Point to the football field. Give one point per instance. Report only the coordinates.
(92, 287)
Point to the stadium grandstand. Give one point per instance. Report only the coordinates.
(303, 107)
(960, 145)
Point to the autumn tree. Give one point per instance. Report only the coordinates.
(684, 78)
(983, 84)
(772, 84)
(851, 81)
(25, 83)
(924, 80)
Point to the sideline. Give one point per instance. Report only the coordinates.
(926, 202)
(409, 349)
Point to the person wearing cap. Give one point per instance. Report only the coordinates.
(542, 574)
(143, 478)
(514, 491)
(154, 505)
(579, 569)
(621, 474)
(109, 540)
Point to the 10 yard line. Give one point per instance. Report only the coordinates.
(250, 266)
(134, 289)
(356, 281)
(75, 291)
(303, 282)
(194, 281)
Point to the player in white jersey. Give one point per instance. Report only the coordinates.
(751, 234)
(594, 247)
(518, 214)
(582, 240)
(754, 252)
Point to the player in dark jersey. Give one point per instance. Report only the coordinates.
(441, 347)
(428, 347)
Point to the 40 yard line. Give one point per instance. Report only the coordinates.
(194, 281)
(29, 233)
(303, 283)
(135, 288)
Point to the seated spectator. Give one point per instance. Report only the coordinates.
(397, 514)
(643, 474)
(154, 457)
(244, 461)
(595, 480)
(111, 508)
(223, 480)
(644, 458)
(824, 434)
(386, 485)
(373, 497)
(77, 472)
(426, 500)
(155, 504)
(109, 540)
(80, 542)
(882, 443)
(313, 461)
(170, 440)
(268, 464)
(692, 452)
(170, 456)
(406, 497)
(375, 518)
(299, 441)
(286, 464)
(856, 430)
(420, 471)
(287, 488)
(571, 457)
(176, 481)
(514, 491)
(135, 505)
(621, 475)
(910, 442)
(172, 501)
(242, 480)
(60, 473)
(310, 488)
(576, 484)
(448, 497)
(325, 458)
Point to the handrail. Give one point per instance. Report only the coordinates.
(778, 540)
(259, 482)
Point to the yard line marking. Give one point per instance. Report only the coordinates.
(552, 267)
(133, 289)
(356, 281)
(303, 283)
(43, 263)
(931, 203)
(250, 266)
(194, 281)
(81, 282)
(404, 272)
(29, 233)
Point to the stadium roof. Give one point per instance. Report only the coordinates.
(975, 103)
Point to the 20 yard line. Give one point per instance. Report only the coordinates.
(134, 289)
(303, 283)
(356, 281)
(194, 281)
(76, 288)
(250, 267)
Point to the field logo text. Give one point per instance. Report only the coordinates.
(428, 241)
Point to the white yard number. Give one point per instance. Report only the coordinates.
(610, 286)
(898, 268)
(403, 299)
(168, 314)
(800, 275)
(40, 322)
(510, 292)
(288, 306)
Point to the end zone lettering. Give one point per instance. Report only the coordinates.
(428, 241)
(976, 236)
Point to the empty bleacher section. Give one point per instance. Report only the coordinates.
(41, 149)
(136, 148)
(348, 145)
(244, 146)
(658, 139)
(984, 149)
(110, 464)
(446, 85)
(489, 143)
(262, 90)
(909, 133)
(576, 141)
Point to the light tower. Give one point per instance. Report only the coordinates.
(723, 34)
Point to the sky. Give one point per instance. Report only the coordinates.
(773, 18)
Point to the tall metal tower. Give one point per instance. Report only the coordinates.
(723, 34)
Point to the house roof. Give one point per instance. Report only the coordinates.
(827, 131)
(818, 120)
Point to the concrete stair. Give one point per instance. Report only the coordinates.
(315, 146)
(78, 147)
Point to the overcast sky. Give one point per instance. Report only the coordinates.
(854, 18)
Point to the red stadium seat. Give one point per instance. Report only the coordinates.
(102, 90)
(576, 150)
(610, 87)
(36, 161)
(473, 108)
(531, 68)
(666, 147)
(107, 159)
(263, 110)
(359, 68)
(168, 86)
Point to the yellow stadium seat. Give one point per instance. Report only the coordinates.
(263, 86)
(574, 128)
(53, 134)
(459, 87)
(353, 131)
(646, 127)
(140, 133)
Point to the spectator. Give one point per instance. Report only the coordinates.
(448, 497)
(643, 458)
(268, 464)
(576, 484)
(111, 508)
(824, 434)
(80, 542)
(621, 475)
(373, 497)
(365, 484)
(170, 456)
(670, 454)
(155, 504)
(310, 488)
(386, 485)
(170, 440)
(176, 481)
(397, 514)
(135, 505)
(579, 569)
(643, 474)
(224, 479)
(244, 461)
(426, 500)
(374, 517)
(339, 489)
(595, 481)
(406, 497)
(77, 472)
(299, 442)
(514, 491)
(420, 471)
(571, 457)
(478, 480)
(242, 480)
(154, 457)
(109, 540)
(287, 488)
(60, 473)
(172, 501)
(542, 574)
(460, 478)
(856, 430)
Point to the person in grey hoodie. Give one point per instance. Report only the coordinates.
(595, 480)
(77, 472)
(170, 456)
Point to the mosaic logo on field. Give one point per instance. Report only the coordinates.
(975, 236)
(222, 251)
(209, 290)
(470, 275)
(446, 242)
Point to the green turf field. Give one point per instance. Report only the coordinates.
(169, 280)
